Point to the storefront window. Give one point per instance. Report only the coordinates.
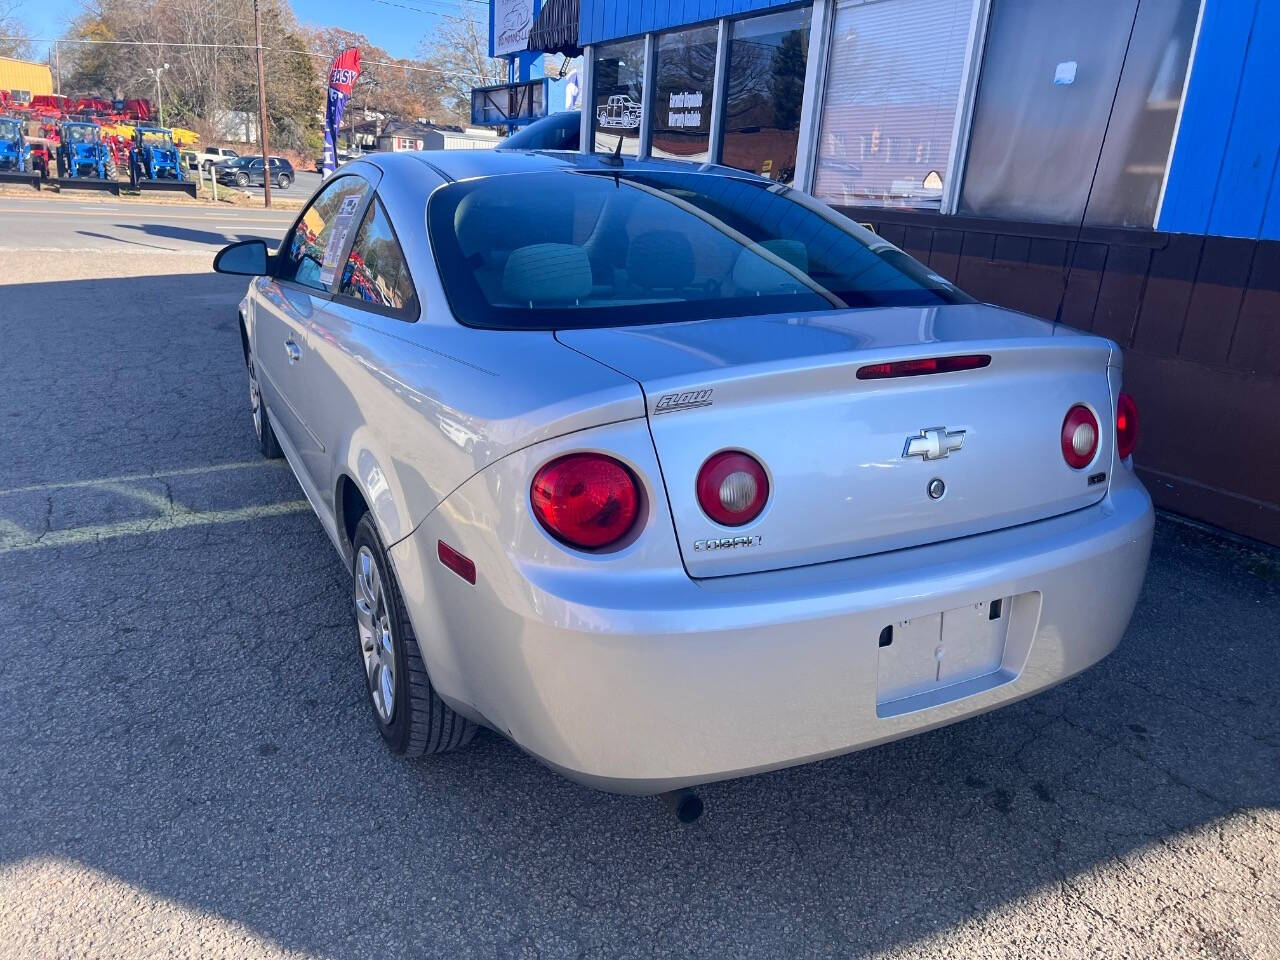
(1076, 108)
(765, 81)
(893, 88)
(684, 79)
(618, 88)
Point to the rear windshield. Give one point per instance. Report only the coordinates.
(568, 249)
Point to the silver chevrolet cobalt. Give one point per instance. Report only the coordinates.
(670, 473)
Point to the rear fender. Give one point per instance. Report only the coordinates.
(471, 636)
(368, 466)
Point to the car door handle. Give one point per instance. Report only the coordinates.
(293, 351)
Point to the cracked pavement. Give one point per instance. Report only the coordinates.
(188, 767)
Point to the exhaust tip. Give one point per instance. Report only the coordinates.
(685, 804)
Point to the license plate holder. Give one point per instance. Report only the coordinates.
(944, 656)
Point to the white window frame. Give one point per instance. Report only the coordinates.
(815, 89)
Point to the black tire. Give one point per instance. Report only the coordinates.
(284, 181)
(421, 722)
(268, 445)
(242, 179)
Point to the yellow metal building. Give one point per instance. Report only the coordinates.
(26, 78)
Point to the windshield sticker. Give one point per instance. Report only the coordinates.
(338, 239)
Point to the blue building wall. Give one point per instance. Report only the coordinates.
(1225, 177)
(602, 20)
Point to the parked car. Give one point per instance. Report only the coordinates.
(210, 157)
(342, 156)
(250, 172)
(556, 131)
(672, 473)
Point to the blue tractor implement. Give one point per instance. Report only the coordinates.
(15, 153)
(84, 159)
(156, 161)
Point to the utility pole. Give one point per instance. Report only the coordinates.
(263, 137)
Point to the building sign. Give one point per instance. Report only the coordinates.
(511, 22)
(685, 78)
(619, 112)
(616, 96)
(684, 109)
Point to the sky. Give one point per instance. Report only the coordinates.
(395, 25)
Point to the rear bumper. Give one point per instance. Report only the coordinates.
(705, 680)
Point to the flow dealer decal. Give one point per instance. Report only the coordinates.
(671, 402)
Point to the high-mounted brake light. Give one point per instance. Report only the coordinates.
(732, 488)
(922, 366)
(1079, 437)
(586, 500)
(1126, 426)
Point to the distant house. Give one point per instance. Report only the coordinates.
(397, 136)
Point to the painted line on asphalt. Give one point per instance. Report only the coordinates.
(78, 536)
(255, 221)
(154, 475)
(143, 495)
(195, 250)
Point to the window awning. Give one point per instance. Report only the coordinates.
(556, 29)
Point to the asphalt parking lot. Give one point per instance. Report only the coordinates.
(188, 768)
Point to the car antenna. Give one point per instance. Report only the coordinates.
(614, 159)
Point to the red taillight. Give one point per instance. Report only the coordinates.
(732, 488)
(587, 500)
(1079, 437)
(924, 365)
(1126, 425)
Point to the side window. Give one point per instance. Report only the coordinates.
(376, 272)
(310, 253)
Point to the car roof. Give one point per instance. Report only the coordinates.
(473, 164)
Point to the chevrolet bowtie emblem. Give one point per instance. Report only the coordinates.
(934, 443)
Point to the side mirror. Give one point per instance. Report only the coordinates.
(248, 258)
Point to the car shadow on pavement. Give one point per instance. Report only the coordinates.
(184, 710)
(208, 237)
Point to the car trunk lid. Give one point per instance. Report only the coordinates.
(837, 448)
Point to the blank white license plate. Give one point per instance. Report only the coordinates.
(928, 654)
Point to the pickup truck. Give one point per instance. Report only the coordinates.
(210, 157)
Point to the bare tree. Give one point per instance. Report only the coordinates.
(12, 26)
(460, 50)
(201, 50)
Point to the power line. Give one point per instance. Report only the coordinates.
(430, 13)
(249, 46)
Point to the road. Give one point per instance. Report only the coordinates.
(67, 226)
(188, 768)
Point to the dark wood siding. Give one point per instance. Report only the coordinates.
(1199, 321)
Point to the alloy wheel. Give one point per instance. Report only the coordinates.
(376, 644)
(255, 400)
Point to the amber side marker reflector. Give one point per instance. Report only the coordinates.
(923, 366)
(451, 558)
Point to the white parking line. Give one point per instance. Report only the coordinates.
(169, 514)
(150, 498)
(76, 536)
(154, 475)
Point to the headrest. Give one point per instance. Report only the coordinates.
(660, 260)
(543, 273)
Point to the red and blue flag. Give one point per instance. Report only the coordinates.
(343, 74)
